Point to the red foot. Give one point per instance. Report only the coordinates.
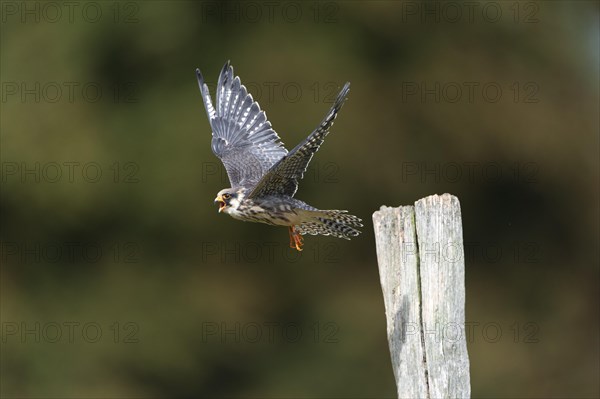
(296, 240)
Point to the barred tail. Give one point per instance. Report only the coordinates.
(330, 223)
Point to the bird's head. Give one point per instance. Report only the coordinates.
(229, 199)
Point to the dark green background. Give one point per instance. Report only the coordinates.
(524, 166)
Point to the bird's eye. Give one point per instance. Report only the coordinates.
(226, 196)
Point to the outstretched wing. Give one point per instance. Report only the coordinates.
(242, 136)
(283, 177)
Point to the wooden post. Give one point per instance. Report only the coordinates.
(422, 272)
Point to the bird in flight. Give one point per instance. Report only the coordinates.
(263, 174)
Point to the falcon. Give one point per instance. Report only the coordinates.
(264, 176)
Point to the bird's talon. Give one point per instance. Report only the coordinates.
(296, 241)
(299, 241)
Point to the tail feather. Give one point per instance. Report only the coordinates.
(334, 223)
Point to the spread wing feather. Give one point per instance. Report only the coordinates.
(242, 137)
(283, 177)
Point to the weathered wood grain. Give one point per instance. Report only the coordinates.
(421, 265)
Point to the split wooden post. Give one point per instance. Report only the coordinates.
(422, 271)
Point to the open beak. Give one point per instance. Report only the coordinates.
(219, 200)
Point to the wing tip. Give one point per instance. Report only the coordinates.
(226, 66)
(227, 70)
(200, 78)
(343, 93)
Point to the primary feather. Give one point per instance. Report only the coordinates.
(283, 177)
(242, 137)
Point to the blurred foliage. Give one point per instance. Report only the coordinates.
(525, 168)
